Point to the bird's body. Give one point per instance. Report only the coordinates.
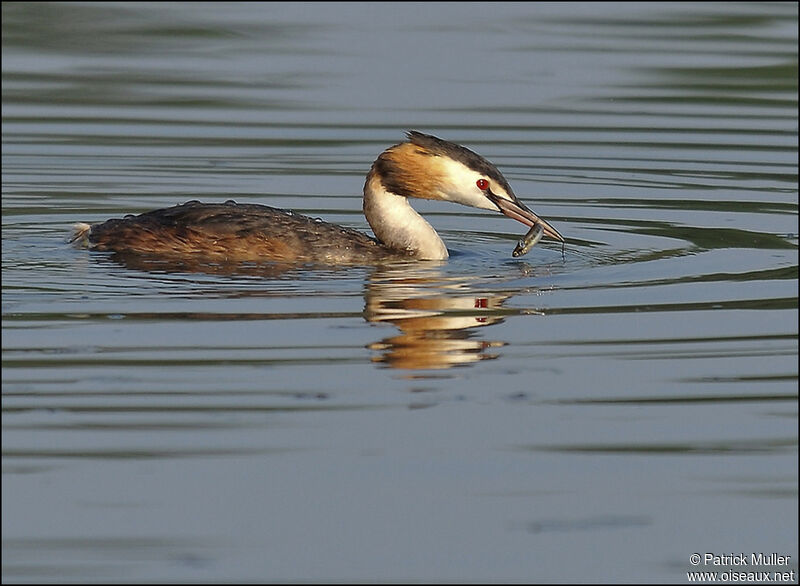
(232, 231)
(424, 167)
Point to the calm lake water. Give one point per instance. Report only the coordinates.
(599, 415)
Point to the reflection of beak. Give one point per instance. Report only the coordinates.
(517, 211)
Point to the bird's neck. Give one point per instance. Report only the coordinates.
(397, 225)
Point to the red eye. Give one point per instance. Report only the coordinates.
(482, 184)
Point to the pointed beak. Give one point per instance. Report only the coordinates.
(518, 211)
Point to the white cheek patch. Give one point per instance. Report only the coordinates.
(460, 185)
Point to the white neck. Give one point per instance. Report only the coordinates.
(397, 225)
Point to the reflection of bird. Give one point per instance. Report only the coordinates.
(438, 318)
(425, 167)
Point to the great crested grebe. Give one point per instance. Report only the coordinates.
(425, 167)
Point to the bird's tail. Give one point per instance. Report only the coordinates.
(80, 235)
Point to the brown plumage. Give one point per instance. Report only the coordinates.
(231, 231)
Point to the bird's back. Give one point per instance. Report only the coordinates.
(231, 231)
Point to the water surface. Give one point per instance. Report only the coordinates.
(596, 415)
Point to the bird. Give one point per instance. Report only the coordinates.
(423, 167)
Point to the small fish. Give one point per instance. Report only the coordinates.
(529, 240)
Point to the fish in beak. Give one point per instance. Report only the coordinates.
(517, 210)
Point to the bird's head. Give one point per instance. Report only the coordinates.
(428, 167)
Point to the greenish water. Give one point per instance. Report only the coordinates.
(596, 416)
